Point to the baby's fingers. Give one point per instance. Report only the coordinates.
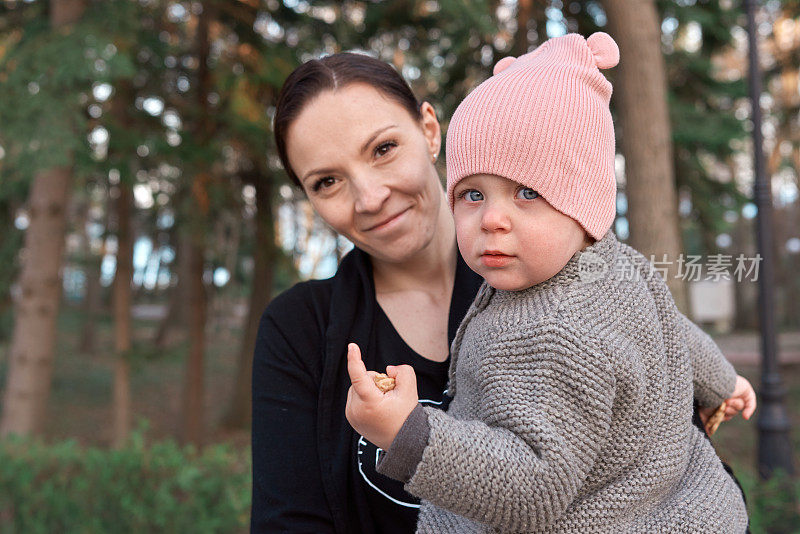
(734, 406)
(363, 385)
(745, 396)
(405, 377)
(749, 404)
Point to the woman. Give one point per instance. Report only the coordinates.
(352, 135)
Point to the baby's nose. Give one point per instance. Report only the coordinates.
(495, 218)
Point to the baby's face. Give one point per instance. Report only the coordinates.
(510, 235)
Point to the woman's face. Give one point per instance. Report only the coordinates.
(367, 167)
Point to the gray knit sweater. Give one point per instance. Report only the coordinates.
(572, 412)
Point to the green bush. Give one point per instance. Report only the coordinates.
(158, 487)
(772, 504)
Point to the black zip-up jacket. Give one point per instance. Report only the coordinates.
(304, 473)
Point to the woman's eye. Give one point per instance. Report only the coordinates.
(473, 195)
(384, 148)
(324, 183)
(526, 193)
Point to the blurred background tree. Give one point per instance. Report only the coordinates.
(31, 353)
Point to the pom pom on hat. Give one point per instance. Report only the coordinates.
(503, 64)
(605, 50)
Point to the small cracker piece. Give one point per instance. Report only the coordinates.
(384, 382)
(716, 418)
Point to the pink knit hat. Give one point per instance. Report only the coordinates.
(542, 120)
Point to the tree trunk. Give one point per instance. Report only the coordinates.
(641, 96)
(91, 304)
(31, 355)
(194, 390)
(91, 299)
(228, 299)
(177, 309)
(792, 317)
(227, 241)
(745, 296)
(65, 12)
(540, 19)
(33, 340)
(121, 291)
(239, 411)
(521, 38)
(122, 317)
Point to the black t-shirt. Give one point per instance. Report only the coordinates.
(393, 510)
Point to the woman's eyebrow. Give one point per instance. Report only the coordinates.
(364, 147)
(375, 134)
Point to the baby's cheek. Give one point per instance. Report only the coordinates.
(464, 232)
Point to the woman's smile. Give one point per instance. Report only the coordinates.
(390, 222)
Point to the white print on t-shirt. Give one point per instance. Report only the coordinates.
(362, 444)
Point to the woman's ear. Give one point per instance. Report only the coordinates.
(431, 129)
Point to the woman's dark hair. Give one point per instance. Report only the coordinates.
(329, 73)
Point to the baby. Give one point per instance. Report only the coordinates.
(573, 374)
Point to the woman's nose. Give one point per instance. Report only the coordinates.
(494, 218)
(370, 195)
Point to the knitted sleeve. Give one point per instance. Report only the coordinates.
(547, 406)
(714, 377)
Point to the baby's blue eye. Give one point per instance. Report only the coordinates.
(473, 195)
(526, 193)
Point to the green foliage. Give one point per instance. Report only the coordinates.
(45, 77)
(158, 487)
(701, 104)
(772, 504)
(444, 45)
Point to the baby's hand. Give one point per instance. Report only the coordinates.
(376, 415)
(742, 400)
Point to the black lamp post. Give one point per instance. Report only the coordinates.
(774, 446)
